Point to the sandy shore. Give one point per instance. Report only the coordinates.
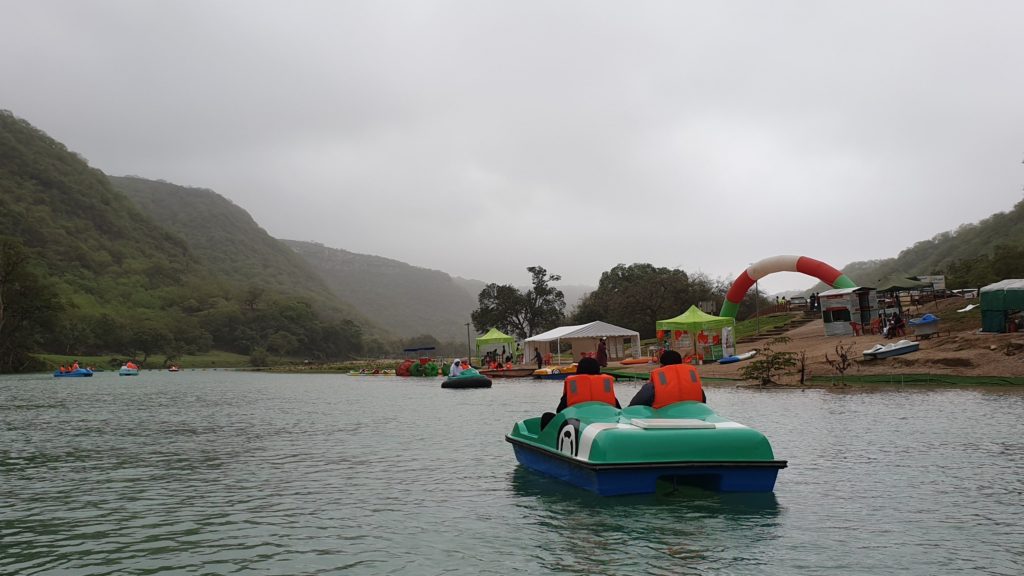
(953, 352)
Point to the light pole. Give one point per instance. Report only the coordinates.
(469, 350)
(757, 308)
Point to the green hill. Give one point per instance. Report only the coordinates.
(404, 299)
(80, 229)
(970, 256)
(117, 281)
(227, 239)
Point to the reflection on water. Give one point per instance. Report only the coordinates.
(215, 472)
(600, 535)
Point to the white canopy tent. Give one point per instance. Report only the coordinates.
(585, 337)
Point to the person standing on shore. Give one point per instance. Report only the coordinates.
(602, 353)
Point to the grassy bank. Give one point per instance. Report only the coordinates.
(214, 359)
(930, 379)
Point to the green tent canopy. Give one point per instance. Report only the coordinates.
(695, 320)
(494, 337)
(899, 282)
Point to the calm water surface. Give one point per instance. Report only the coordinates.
(206, 472)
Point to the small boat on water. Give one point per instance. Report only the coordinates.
(126, 371)
(892, 349)
(614, 451)
(641, 360)
(467, 379)
(173, 369)
(555, 372)
(508, 372)
(79, 373)
(371, 373)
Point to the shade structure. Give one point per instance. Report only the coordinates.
(586, 336)
(494, 337)
(998, 300)
(695, 320)
(898, 282)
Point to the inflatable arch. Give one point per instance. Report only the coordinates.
(758, 270)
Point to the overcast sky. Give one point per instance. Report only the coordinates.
(480, 137)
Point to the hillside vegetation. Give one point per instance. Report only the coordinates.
(970, 256)
(404, 299)
(232, 244)
(107, 278)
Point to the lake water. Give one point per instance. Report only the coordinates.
(213, 472)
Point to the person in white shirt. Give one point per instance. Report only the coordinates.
(456, 368)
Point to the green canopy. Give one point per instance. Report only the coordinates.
(494, 337)
(694, 320)
(898, 282)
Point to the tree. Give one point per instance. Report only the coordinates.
(28, 306)
(545, 304)
(770, 364)
(638, 295)
(517, 313)
(841, 363)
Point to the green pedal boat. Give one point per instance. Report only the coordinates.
(611, 451)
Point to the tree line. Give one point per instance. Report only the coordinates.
(633, 296)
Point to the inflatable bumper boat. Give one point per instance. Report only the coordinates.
(612, 452)
(467, 379)
(126, 371)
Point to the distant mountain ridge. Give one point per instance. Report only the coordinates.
(228, 238)
(948, 252)
(404, 299)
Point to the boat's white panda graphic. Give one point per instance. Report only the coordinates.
(569, 438)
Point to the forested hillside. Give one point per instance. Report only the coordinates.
(227, 238)
(970, 256)
(404, 299)
(108, 278)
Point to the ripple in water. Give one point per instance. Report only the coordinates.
(225, 473)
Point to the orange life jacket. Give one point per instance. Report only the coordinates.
(589, 388)
(675, 383)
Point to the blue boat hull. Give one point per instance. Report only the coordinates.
(621, 479)
(80, 373)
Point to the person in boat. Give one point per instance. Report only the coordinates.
(131, 365)
(587, 384)
(63, 369)
(456, 368)
(74, 366)
(602, 352)
(675, 384)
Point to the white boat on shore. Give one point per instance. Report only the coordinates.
(891, 349)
